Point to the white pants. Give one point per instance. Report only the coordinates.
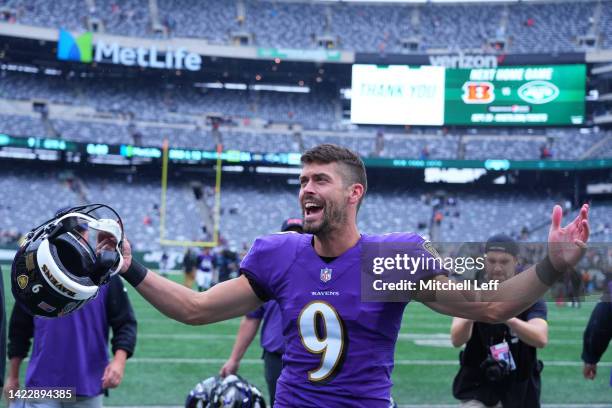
(204, 279)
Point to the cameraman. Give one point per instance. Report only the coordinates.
(499, 366)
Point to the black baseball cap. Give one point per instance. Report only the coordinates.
(292, 224)
(502, 243)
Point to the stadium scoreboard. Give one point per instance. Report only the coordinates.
(436, 96)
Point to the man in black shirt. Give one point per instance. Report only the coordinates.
(598, 332)
(499, 366)
(2, 332)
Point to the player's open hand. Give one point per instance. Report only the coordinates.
(108, 242)
(230, 367)
(567, 245)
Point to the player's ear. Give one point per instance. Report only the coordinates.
(356, 191)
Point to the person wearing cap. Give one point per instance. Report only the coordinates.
(499, 365)
(271, 333)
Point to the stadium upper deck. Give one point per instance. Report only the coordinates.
(521, 26)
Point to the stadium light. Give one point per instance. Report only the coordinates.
(19, 68)
(280, 88)
(212, 85)
(277, 170)
(374, 1)
(233, 169)
(473, 1)
(52, 71)
(424, 1)
(240, 87)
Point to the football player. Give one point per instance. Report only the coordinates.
(338, 349)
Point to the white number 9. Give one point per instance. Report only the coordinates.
(330, 343)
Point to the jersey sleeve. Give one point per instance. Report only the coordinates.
(598, 333)
(267, 261)
(400, 260)
(538, 310)
(256, 314)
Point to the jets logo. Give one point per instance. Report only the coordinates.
(22, 281)
(478, 92)
(538, 92)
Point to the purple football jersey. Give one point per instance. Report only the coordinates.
(339, 351)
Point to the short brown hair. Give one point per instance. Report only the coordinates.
(348, 159)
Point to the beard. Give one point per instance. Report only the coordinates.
(333, 216)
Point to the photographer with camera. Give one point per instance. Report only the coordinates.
(499, 366)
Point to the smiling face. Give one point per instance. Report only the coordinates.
(324, 197)
(333, 182)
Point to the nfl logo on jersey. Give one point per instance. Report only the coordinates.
(326, 275)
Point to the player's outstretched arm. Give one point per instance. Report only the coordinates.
(224, 301)
(510, 299)
(229, 299)
(566, 246)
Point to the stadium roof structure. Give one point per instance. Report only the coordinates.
(436, 1)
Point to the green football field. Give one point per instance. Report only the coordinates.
(171, 358)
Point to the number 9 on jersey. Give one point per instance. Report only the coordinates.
(329, 344)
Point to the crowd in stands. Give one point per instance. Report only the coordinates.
(130, 112)
(521, 27)
(249, 210)
(171, 102)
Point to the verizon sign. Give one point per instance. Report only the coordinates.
(464, 61)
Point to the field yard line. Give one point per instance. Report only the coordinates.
(163, 336)
(543, 405)
(171, 360)
(163, 319)
(553, 327)
(401, 406)
(402, 336)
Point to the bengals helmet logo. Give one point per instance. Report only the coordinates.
(478, 92)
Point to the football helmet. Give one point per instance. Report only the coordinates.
(235, 392)
(56, 270)
(232, 391)
(202, 394)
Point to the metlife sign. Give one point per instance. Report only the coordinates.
(83, 49)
